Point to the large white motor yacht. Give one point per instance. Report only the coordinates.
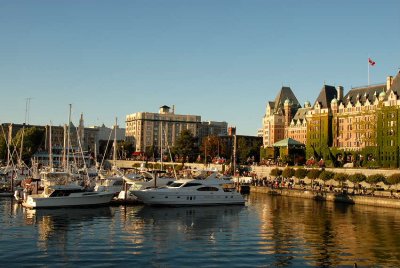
(209, 191)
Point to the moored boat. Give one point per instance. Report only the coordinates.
(183, 192)
(60, 192)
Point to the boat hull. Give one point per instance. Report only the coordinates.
(189, 199)
(83, 199)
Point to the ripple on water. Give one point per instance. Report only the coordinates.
(269, 232)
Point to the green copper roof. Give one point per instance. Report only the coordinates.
(287, 142)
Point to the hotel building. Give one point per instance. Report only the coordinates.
(160, 130)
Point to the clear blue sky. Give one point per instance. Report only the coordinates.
(220, 59)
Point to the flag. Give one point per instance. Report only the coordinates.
(371, 62)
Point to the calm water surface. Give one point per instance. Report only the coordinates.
(268, 232)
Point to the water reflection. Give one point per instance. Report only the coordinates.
(53, 225)
(327, 234)
(190, 223)
(269, 231)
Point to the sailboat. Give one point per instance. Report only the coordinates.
(61, 191)
(114, 183)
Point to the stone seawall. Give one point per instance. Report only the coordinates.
(262, 171)
(331, 197)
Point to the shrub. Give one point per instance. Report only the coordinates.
(326, 175)
(393, 179)
(288, 172)
(313, 174)
(275, 172)
(341, 177)
(357, 177)
(300, 173)
(374, 179)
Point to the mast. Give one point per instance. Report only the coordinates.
(22, 146)
(9, 138)
(68, 136)
(115, 144)
(95, 155)
(50, 150)
(28, 100)
(161, 159)
(64, 161)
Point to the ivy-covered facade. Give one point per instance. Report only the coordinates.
(388, 129)
(319, 125)
(361, 127)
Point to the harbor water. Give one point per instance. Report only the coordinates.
(269, 231)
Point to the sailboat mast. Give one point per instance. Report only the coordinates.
(64, 161)
(23, 132)
(162, 156)
(50, 150)
(115, 144)
(68, 136)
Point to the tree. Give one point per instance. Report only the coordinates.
(393, 179)
(357, 178)
(125, 148)
(341, 178)
(275, 172)
(300, 173)
(326, 175)
(150, 152)
(186, 146)
(32, 139)
(247, 149)
(375, 178)
(288, 172)
(3, 148)
(313, 174)
(213, 146)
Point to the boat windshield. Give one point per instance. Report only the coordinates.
(58, 193)
(176, 184)
(191, 184)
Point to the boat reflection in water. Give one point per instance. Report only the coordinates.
(54, 225)
(200, 222)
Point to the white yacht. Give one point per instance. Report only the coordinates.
(144, 180)
(209, 191)
(112, 184)
(60, 192)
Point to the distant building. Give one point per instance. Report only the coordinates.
(297, 129)
(106, 135)
(209, 128)
(319, 121)
(151, 131)
(81, 139)
(361, 127)
(278, 116)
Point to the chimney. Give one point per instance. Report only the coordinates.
(231, 131)
(173, 109)
(339, 90)
(389, 81)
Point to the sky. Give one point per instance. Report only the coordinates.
(220, 59)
